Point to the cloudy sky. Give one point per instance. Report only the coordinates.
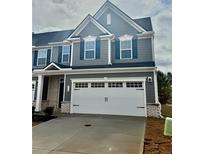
(51, 15)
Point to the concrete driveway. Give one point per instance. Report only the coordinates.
(106, 135)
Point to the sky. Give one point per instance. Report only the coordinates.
(52, 15)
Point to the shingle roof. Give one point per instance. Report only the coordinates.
(144, 23)
(42, 39)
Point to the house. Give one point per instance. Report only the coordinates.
(106, 65)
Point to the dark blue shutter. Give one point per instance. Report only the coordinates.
(35, 58)
(98, 49)
(81, 50)
(134, 48)
(117, 49)
(59, 54)
(48, 56)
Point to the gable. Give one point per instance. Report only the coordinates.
(118, 26)
(83, 28)
(52, 66)
(121, 20)
(90, 29)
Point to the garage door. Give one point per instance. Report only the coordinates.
(114, 98)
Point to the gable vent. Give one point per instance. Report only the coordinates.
(108, 19)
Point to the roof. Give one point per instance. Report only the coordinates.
(144, 23)
(42, 39)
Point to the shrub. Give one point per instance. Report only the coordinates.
(33, 109)
(48, 111)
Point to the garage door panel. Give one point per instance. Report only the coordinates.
(114, 100)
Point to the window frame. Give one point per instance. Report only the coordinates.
(90, 39)
(42, 50)
(126, 38)
(65, 54)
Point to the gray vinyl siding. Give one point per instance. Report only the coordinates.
(144, 52)
(90, 29)
(150, 93)
(118, 25)
(103, 55)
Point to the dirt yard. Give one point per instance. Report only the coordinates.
(155, 142)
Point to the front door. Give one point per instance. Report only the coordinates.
(61, 89)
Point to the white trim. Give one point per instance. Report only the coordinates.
(109, 51)
(120, 13)
(145, 98)
(65, 42)
(65, 62)
(40, 47)
(126, 38)
(156, 87)
(71, 57)
(39, 93)
(51, 64)
(153, 54)
(42, 50)
(94, 71)
(145, 35)
(110, 79)
(82, 25)
(51, 57)
(89, 39)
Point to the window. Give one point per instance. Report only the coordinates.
(42, 57)
(97, 85)
(65, 54)
(108, 19)
(81, 85)
(126, 49)
(115, 85)
(134, 84)
(89, 50)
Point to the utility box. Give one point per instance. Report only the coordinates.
(168, 127)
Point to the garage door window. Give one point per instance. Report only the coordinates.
(115, 85)
(97, 85)
(81, 85)
(134, 84)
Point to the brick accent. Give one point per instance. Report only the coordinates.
(65, 107)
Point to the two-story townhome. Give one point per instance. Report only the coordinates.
(106, 65)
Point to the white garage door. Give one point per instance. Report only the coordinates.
(114, 98)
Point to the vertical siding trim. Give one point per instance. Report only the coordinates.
(156, 87)
(109, 51)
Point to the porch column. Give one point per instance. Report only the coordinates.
(39, 93)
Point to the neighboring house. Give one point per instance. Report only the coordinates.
(106, 65)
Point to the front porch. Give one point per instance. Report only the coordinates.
(49, 91)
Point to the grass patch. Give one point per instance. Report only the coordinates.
(166, 110)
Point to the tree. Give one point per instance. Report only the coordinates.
(164, 86)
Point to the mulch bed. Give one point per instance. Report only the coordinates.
(155, 142)
(37, 119)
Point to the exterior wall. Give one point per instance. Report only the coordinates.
(90, 29)
(150, 91)
(103, 55)
(118, 25)
(144, 52)
(54, 54)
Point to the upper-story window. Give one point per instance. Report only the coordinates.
(126, 47)
(65, 53)
(108, 19)
(42, 57)
(89, 50)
